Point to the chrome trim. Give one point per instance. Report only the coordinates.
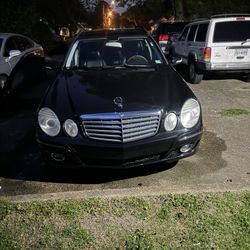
(121, 127)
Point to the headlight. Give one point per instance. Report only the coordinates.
(3, 80)
(190, 113)
(170, 122)
(49, 122)
(70, 128)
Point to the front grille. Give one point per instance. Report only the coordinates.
(121, 127)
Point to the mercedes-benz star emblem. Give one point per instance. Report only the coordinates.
(118, 101)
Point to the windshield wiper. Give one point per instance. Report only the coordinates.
(83, 68)
(246, 41)
(137, 65)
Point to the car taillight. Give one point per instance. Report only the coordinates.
(164, 37)
(240, 18)
(207, 54)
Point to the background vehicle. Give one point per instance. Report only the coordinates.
(21, 60)
(165, 33)
(117, 103)
(221, 43)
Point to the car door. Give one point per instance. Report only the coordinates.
(181, 43)
(200, 40)
(190, 45)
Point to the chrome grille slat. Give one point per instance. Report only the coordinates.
(133, 120)
(104, 135)
(140, 124)
(104, 131)
(129, 130)
(138, 133)
(104, 122)
(102, 127)
(136, 138)
(121, 127)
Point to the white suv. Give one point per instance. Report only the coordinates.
(221, 43)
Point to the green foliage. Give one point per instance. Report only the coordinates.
(24, 17)
(205, 221)
(137, 206)
(233, 112)
(138, 240)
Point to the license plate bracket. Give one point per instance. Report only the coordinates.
(240, 52)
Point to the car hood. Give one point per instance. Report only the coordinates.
(92, 91)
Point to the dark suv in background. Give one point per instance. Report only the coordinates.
(166, 32)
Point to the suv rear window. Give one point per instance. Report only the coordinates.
(233, 31)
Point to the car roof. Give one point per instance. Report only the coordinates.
(99, 33)
(7, 35)
(222, 17)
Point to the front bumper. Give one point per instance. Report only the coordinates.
(90, 153)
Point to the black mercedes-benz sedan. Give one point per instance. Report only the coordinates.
(117, 103)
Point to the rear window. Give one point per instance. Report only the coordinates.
(234, 31)
(165, 28)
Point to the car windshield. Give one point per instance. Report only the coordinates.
(234, 31)
(105, 53)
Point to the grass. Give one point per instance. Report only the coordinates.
(206, 221)
(233, 112)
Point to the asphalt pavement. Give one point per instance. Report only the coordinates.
(222, 162)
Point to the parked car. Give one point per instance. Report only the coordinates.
(166, 32)
(117, 103)
(21, 60)
(221, 43)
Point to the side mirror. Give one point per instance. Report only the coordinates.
(53, 64)
(176, 60)
(14, 53)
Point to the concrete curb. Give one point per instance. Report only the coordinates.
(129, 192)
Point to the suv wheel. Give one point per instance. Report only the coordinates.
(193, 75)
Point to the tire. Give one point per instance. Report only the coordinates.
(193, 76)
(245, 77)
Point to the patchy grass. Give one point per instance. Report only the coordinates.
(208, 221)
(233, 112)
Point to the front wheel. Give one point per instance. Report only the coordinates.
(193, 75)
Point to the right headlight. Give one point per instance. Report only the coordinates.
(190, 113)
(170, 122)
(48, 122)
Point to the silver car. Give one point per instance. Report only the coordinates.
(21, 60)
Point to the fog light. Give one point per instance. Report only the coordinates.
(186, 148)
(57, 157)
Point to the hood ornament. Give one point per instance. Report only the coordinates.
(118, 101)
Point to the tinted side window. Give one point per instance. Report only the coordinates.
(202, 32)
(192, 33)
(184, 34)
(22, 43)
(10, 45)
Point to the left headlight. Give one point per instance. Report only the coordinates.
(190, 113)
(48, 122)
(70, 128)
